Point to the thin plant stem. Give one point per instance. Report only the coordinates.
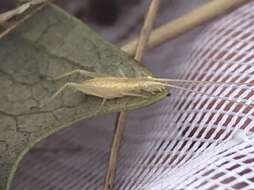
(122, 116)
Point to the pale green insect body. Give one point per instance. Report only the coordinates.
(116, 87)
(110, 87)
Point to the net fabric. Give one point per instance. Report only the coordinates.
(194, 142)
(186, 141)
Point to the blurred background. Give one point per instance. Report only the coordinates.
(159, 137)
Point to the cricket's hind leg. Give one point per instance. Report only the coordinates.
(122, 74)
(125, 94)
(75, 86)
(100, 107)
(81, 72)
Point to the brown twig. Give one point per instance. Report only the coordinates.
(146, 30)
(122, 117)
(12, 27)
(20, 10)
(187, 22)
(10, 14)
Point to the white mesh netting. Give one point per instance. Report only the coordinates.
(187, 141)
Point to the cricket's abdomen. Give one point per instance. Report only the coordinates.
(114, 87)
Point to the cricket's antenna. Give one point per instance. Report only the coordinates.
(203, 82)
(209, 95)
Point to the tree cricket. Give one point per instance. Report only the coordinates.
(110, 87)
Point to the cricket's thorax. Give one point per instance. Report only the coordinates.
(117, 87)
